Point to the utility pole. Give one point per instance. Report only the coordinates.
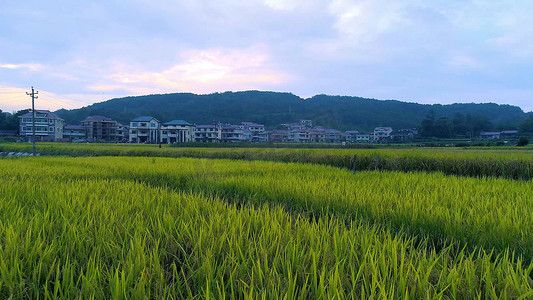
(33, 97)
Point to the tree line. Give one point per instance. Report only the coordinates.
(465, 126)
(10, 121)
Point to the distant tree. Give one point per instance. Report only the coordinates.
(443, 128)
(526, 127)
(2, 119)
(427, 127)
(522, 141)
(11, 122)
(480, 123)
(460, 125)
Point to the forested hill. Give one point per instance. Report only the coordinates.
(272, 108)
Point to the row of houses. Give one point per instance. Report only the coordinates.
(496, 135)
(147, 129)
(50, 127)
(320, 134)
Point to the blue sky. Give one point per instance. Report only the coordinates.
(80, 52)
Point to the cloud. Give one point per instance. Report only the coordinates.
(367, 19)
(404, 49)
(15, 98)
(286, 4)
(464, 62)
(201, 71)
(31, 67)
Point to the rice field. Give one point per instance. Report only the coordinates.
(175, 228)
(508, 163)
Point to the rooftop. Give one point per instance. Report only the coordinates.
(97, 119)
(383, 128)
(48, 114)
(178, 122)
(144, 119)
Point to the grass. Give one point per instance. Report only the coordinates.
(126, 228)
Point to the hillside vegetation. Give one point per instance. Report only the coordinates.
(272, 108)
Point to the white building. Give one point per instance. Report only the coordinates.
(306, 123)
(234, 134)
(258, 131)
(144, 129)
(48, 126)
(207, 133)
(363, 138)
(382, 133)
(75, 133)
(177, 131)
(299, 136)
(351, 136)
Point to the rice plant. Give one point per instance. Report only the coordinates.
(511, 164)
(64, 236)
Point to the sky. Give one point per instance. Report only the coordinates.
(76, 53)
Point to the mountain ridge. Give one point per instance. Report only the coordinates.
(273, 108)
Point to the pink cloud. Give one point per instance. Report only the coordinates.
(201, 71)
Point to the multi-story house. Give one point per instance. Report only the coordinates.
(306, 123)
(363, 138)
(351, 136)
(48, 126)
(144, 129)
(123, 132)
(403, 135)
(278, 136)
(207, 133)
(257, 130)
(234, 134)
(317, 135)
(74, 133)
(333, 136)
(299, 136)
(382, 134)
(100, 129)
(177, 131)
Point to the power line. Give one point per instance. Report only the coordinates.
(56, 103)
(66, 96)
(58, 100)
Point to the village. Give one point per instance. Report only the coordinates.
(146, 129)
